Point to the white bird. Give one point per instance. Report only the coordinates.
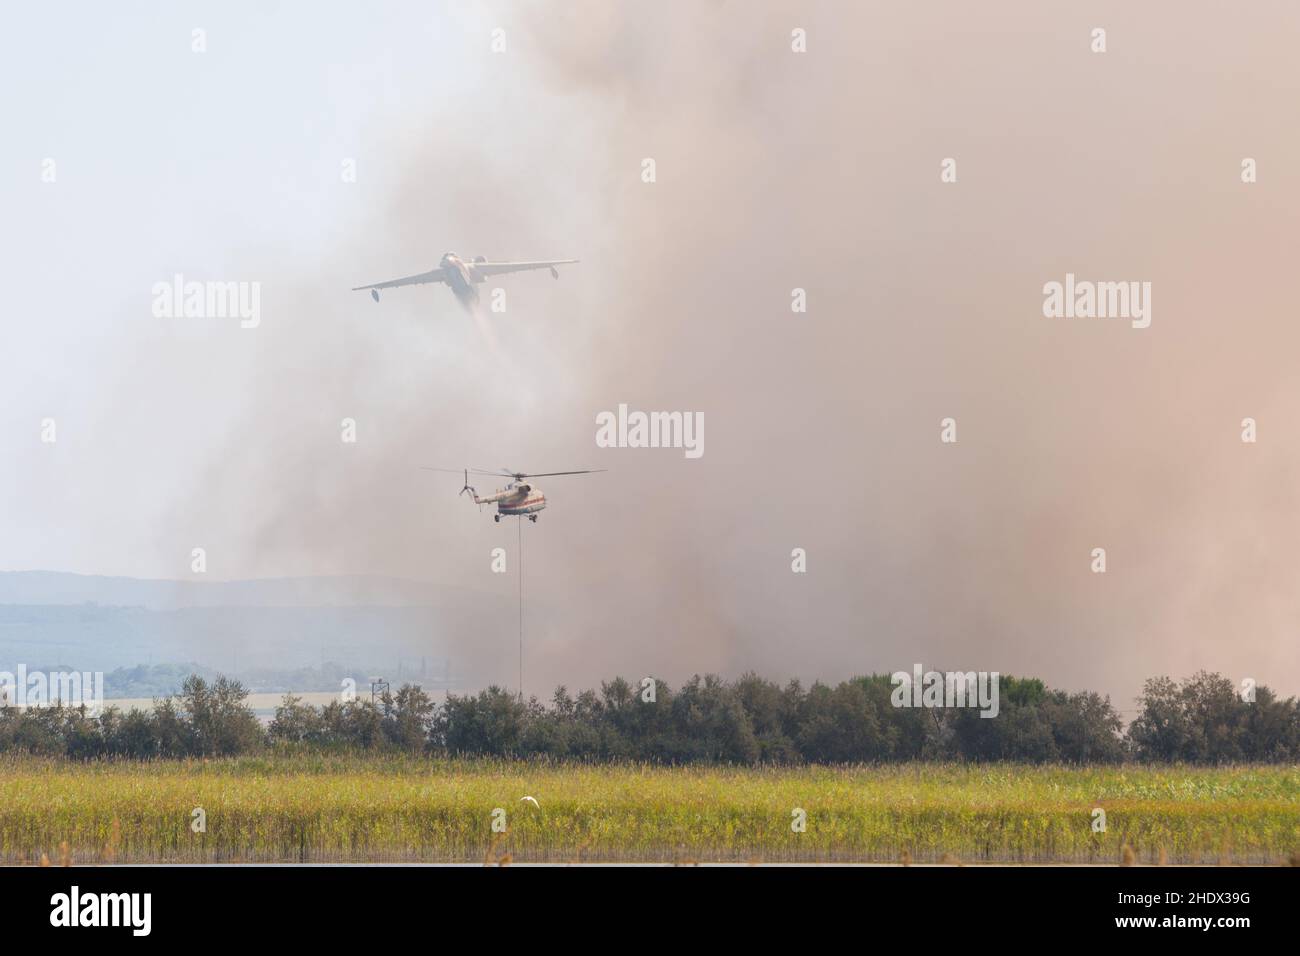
(532, 800)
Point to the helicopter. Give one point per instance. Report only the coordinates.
(519, 498)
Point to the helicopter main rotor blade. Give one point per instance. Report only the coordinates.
(552, 474)
(472, 471)
(517, 475)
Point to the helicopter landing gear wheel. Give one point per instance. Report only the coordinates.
(532, 518)
(496, 517)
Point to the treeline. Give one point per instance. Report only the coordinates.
(708, 720)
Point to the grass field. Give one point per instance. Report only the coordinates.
(339, 809)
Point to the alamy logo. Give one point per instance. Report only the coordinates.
(651, 430)
(936, 689)
(43, 689)
(103, 909)
(179, 299)
(1098, 300)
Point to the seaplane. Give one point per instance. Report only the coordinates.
(520, 498)
(463, 275)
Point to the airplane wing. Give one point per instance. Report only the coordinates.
(437, 275)
(501, 268)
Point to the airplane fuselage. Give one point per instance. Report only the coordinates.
(461, 278)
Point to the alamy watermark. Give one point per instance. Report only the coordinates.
(1083, 299)
(26, 688)
(935, 689)
(624, 429)
(180, 299)
(130, 910)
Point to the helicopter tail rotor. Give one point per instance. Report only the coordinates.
(470, 488)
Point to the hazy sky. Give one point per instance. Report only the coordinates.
(775, 170)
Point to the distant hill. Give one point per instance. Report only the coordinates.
(54, 587)
(391, 626)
